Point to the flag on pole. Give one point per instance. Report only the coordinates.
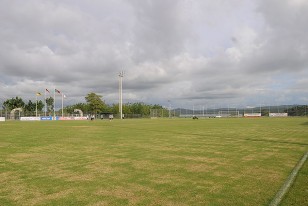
(47, 90)
(37, 94)
(57, 91)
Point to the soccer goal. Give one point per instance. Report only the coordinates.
(158, 113)
(229, 113)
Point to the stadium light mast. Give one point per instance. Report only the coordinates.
(54, 103)
(121, 74)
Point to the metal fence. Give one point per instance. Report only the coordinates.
(296, 110)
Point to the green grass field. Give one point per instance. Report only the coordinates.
(152, 162)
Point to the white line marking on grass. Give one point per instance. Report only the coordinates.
(285, 187)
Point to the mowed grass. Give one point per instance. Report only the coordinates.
(152, 162)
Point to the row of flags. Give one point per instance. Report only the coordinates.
(46, 90)
(54, 94)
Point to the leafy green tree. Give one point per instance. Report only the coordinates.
(95, 102)
(69, 109)
(13, 103)
(49, 104)
(156, 106)
(82, 106)
(126, 109)
(141, 108)
(30, 107)
(40, 106)
(138, 108)
(264, 112)
(299, 110)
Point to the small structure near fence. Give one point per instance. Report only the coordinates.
(278, 114)
(79, 111)
(252, 115)
(12, 114)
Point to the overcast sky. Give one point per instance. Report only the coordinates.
(182, 52)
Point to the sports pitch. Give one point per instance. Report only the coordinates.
(232, 161)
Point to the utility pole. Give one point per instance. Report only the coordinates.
(121, 74)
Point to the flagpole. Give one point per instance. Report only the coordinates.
(54, 104)
(62, 104)
(36, 105)
(45, 103)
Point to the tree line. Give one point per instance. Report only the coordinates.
(300, 110)
(94, 105)
(30, 107)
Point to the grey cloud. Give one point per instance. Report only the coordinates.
(284, 42)
(186, 50)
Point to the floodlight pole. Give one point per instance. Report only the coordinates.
(54, 103)
(121, 74)
(45, 104)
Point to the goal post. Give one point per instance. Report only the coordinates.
(159, 113)
(229, 113)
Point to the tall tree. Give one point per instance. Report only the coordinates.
(95, 102)
(49, 104)
(40, 106)
(30, 108)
